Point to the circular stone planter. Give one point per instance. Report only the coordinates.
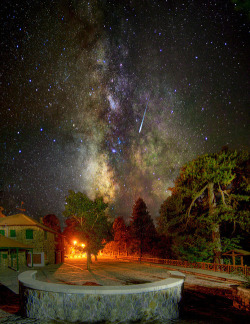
(43, 300)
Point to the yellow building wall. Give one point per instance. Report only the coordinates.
(41, 241)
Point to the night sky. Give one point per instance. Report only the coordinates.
(79, 77)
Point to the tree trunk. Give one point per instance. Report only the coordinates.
(126, 249)
(217, 243)
(88, 260)
(140, 250)
(215, 226)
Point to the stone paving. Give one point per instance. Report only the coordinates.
(105, 272)
(7, 318)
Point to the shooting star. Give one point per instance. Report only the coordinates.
(66, 78)
(143, 117)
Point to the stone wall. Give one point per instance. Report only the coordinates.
(41, 242)
(242, 298)
(49, 248)
(158, 300)
(4, 260)
(10, 259)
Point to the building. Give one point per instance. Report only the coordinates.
(13, 253)
(27, 231)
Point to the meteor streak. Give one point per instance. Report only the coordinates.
(143, 117)
(66, 78)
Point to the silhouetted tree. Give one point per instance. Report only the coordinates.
(142, 227)
(120, 234)
(171, 211)
(52, 222)
(71, 231)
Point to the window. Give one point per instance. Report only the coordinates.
(12, 233)
(4, 256)
(45, 235)
(29, 234)
(2, 232)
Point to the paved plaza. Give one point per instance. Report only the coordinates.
(104, 272)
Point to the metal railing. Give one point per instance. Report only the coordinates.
(228, 268)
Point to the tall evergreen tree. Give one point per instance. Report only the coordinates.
(120, 234)
(142, 226)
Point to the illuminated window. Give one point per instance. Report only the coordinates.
(2, 232)
(12, 233)
(29, 234)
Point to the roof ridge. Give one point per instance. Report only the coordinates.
(28, 218)
(31, 222)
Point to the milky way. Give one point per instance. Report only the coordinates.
(77, 77)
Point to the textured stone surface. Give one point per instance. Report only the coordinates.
(39, 242)
(242, 298)
(91, 308)
(87, 307)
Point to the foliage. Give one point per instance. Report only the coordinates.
(90, 219)
(243, 6)
(229, 244)
(216, 168)
(142, 228)
(71, 231)
(120, 234)
(52, 222)
(170, 212)
(194, 248)
(210, 178)
(120, 229)
(162, 247)
(210, 191)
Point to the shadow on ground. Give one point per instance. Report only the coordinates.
(9, 301)
(200, 304)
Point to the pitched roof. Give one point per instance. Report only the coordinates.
(237, 252)
(23, 220)
(6, 242)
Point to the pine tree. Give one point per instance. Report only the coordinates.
(120, 234)
(142, 227)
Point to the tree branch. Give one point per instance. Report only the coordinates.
(222, 196)
(234, 227)
(193, 201)
(95, 220)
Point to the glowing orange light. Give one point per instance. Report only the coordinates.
(75, 252)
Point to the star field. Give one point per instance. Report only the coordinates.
(77, 77)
